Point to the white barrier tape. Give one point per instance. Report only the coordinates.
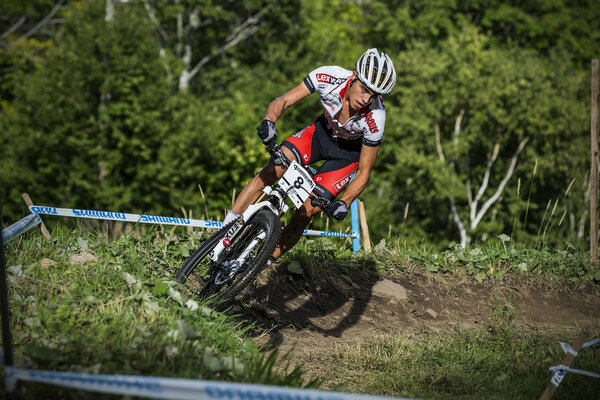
(591, 343)
(175, 388)
(149, 219)
(20, 227)
(563, 369)
(310, 232)
(557, 377)
(567, 347)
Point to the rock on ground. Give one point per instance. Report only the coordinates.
(46, 262)
(387, 288)
(83, 258)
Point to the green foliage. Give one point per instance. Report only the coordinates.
(91, 114)
(498, 261)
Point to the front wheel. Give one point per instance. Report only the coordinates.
(195, 260)
(240, 262)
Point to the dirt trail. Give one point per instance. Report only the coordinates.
(292, 312)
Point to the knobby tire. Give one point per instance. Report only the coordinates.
(272, 227)
(206, 247)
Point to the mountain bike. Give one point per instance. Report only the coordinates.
(237, 252)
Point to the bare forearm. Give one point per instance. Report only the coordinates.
(282, 103)
(275, 110)
(355, 188)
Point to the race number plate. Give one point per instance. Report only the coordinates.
(297, 183)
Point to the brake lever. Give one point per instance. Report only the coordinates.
(279, 158)
(319, 202)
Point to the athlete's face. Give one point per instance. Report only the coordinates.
(359, 95)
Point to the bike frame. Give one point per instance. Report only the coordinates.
(252, 209)
(276, 203)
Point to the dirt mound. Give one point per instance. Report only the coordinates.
(320, 305)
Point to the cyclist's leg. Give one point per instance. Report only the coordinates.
(330, 179)
(267, 176)
(304, 145)
(340, 166)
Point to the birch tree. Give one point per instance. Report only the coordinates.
(477, 206)
(183, 34)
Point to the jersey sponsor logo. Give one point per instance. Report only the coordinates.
(329, 79)
(371, 123)
(339, 185)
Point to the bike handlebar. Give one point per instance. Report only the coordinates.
(279, 158)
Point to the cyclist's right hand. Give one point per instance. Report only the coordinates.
(267, 133)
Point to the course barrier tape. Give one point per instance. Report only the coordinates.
(562, 369)
(175, 388)
(567, 347)
(150, 219)
(557, 377)
(20, 227)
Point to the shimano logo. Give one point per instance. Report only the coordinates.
(154, 218)
(44, 210)
(99, 214)
(242, 393)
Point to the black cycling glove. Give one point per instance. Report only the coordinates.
(337, 209)
(267, 133)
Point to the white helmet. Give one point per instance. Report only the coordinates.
(376, 71)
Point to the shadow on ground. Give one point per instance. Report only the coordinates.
(323, 298)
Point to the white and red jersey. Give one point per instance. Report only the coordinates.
(332, 82)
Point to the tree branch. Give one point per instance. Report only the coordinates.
(496, 196)
(488, 170)
(438, 143)
(42, 23)
(152, 14)
(241, 32)
(461, 226)
(13, 28)
(457, 123)
(484, 183)
(469, 194)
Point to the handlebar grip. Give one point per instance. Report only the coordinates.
(319, 202)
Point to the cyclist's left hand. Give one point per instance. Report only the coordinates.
(337, 209)
(267, 133)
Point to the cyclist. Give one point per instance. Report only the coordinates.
(347, 136)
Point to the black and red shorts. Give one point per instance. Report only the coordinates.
(314, 143)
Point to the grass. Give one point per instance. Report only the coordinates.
(494, 260)
(124, 314)
(497, 361)
(463, 364)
